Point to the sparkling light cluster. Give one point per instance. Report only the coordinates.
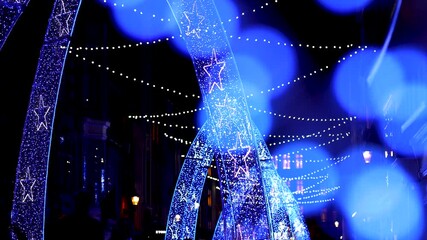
(27, 215)
(10, 11)
(256, 202)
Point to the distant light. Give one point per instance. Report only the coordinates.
(337, 224)
(353, 215)
(344, 7)
(160, 231)
(367, 156)
(135, 200)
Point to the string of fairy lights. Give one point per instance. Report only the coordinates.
(274, 114)
(317, 134)
(78, 51)
(335, 138)
(254, 40)
(295, 138)
(162, 19)
(179, 93)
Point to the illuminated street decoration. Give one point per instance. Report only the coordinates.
(183, 212)
(248, 180)
(10, 11)
(28, 207)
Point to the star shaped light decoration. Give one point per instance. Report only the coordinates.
(214, 70)
(41, 113)
(27, 185)
(183, 194)
(239, 154)
(174, 230)
(194, 20)
(63, 19)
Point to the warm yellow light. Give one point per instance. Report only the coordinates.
(135, 200)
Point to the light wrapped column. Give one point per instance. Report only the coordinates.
(10, 11)
(28, 208)
(246, 194)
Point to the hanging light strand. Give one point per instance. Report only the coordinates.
(134, 79)
(334, 139)
(316, 171)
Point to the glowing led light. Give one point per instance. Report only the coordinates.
(28, 207)
(208, 47)
(11, 12)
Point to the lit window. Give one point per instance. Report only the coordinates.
(298, 161)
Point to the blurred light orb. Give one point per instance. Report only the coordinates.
(305, 160)
(344, 6)
(382, 201)
(267, 45)
(251, 71)
(363, 85)
(144, 20)
(406, 132)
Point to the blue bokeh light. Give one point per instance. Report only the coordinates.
(349, 169)
(344, 7)
(406, 133)
(254, 77)
(156, 20)
(362, 85)
(413, 62)
(316, 171)
(280, 60)
(383, 201)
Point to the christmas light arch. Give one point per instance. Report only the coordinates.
(256, 203)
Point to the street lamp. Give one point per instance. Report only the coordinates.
(135, 200)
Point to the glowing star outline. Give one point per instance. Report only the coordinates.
(59, 18)
(44, 110)
(211, 66)
(189, 16)
(174, 231)
(239, 145)
(183, 194)
(24, 182)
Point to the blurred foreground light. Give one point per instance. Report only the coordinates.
(367, 156)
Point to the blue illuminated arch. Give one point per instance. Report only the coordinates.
(28, 207)
(250, 186)
(256, 203)
(10, 11)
